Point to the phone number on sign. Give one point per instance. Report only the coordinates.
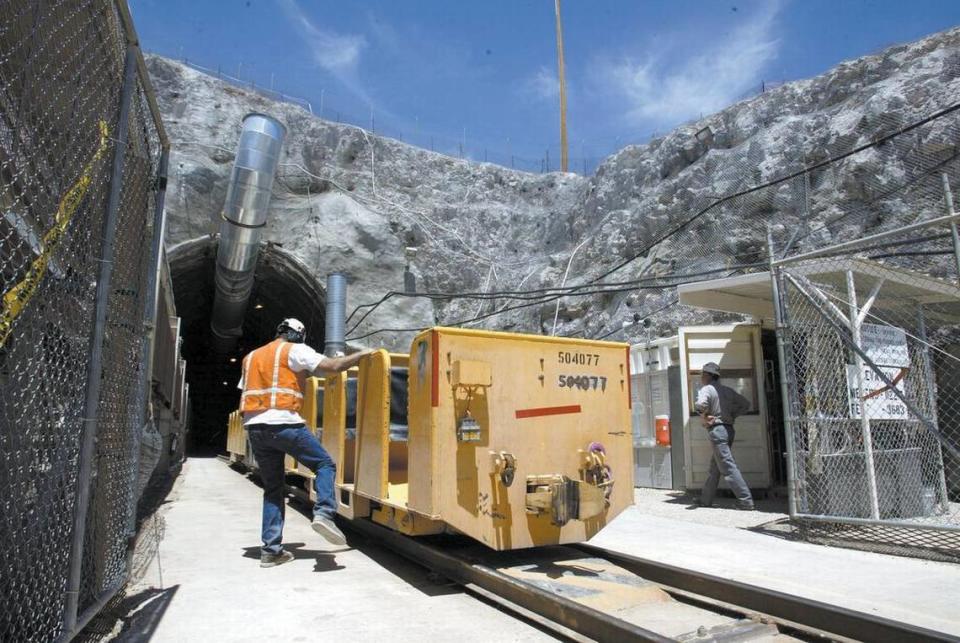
(583, 382)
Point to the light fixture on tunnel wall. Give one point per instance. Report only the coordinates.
(233, 360)
(226, 384)
(258, 307)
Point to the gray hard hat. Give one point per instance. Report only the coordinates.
(712, 368)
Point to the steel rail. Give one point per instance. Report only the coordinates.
(563, 611)
(832, 619)
(787, 610)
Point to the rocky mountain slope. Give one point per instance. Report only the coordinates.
(348, 200)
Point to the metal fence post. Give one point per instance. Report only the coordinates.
(865, 434)
(95, 366)
(786, 401)
(931, 378)
(151, 291)
(948, 196)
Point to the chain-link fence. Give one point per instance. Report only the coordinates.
(864, 254)
(871, 354)
(864, 165)
(80, 203)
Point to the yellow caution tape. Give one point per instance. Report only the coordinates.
(16, 299)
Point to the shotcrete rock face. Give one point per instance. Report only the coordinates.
(282, 288)
(347, 200)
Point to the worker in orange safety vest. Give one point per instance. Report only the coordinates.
(273, 381)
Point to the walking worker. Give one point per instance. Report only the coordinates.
(719, 406)
(273, 381)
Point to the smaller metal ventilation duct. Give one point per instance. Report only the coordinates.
(244, 217)
(334, 341)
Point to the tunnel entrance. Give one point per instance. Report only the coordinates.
(283, 287)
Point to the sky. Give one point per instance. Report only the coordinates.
(480, 78)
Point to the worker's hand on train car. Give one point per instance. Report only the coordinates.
(329, 365)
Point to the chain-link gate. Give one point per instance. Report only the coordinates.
(871, 361)
(81, 150)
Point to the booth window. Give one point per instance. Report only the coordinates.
(741, 380)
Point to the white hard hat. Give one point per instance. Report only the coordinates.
(293, 329)
(293, 324)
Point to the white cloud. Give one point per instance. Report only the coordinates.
(665, 88)
(544, 84)
(337, 53)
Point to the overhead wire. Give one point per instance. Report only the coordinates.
(544, 295)
(910, 182)
(788, 177)
(721, 200)
(671, 304)
(410, 214)
(548, 294)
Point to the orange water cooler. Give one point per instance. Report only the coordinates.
(662, 428)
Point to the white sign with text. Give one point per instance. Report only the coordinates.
(880, 402)
(885, 345)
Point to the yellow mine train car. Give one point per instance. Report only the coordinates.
(514, 440)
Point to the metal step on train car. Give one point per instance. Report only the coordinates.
(514, 440)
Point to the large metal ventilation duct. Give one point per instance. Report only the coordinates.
(244, 217)
(334, 341)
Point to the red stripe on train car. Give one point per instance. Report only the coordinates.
(629, 387)
(548, 410)
(435, 368)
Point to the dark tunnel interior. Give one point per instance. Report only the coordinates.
(283, 287)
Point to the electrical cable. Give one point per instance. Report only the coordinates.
(536, 302)
(522, 294)
(549, 294)
(673, 303)
(788, 177)
(913, 180)
(681, 226)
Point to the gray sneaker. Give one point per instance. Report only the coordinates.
(328, 529)
(272, 560)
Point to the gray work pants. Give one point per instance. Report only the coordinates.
(721, 439)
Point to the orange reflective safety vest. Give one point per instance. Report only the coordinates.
(268, 381)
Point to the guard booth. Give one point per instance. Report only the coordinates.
(671, 447)
(866, 390)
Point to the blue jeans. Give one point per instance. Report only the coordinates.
(270, 443)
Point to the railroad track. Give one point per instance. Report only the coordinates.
(582, 592)
(586, 593)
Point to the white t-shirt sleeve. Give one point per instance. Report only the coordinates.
(303, 358)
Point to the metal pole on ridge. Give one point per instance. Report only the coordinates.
(95, 366)
(564, 155)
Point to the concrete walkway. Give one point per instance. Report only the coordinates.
(716, 541)
(206, 583)
(213, 588)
